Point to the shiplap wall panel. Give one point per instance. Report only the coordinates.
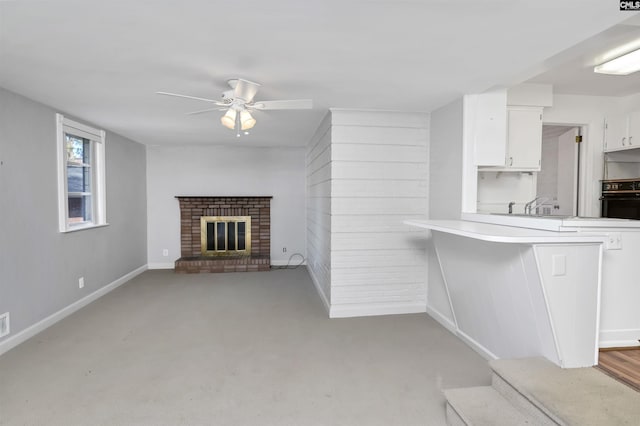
(379, 170)
(379, 177)
(378, 206)
(318, 166)
(379, 153)
(377, 240)
(376, 258)
(379, 188)
(374, 223)
(377, 135)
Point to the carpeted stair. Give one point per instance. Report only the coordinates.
(534, 391)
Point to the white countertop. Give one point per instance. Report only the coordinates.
(553, 223)
(505, 234)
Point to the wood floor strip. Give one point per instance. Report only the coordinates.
(623, 365)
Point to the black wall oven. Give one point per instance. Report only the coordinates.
(621, 198)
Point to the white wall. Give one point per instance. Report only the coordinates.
(379, 178)
(445, 196)
(318, 171)
(590, 111)
(221, 170)
(497, 189)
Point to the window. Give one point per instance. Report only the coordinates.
(81, 190)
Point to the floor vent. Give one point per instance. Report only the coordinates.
(4, 324)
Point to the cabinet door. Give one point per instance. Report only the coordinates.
(488, 114)
(615, 133)
(524, 138)
(633, 136)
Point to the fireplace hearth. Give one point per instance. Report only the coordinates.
(224, 234)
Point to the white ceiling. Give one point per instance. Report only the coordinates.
(102, 61)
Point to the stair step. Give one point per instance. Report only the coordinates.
(482, 406)
(573, 396)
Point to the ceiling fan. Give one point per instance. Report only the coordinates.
(239, 102)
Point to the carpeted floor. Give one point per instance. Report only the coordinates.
(232, 349)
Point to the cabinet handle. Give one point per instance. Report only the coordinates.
(630, 139)
(510, 161)
(623, 139)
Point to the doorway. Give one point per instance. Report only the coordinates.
(557, 181)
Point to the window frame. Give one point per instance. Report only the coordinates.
(97, 140)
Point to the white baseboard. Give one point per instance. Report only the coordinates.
(318, 287)
(168, 265)
(286, 262)
(619, 338)
(371, 309)
(484, 352)
(441, 319)
(36, 328)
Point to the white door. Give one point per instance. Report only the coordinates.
(567, 176)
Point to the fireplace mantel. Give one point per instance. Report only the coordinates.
(193, 207)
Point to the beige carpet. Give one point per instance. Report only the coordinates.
(232, 349)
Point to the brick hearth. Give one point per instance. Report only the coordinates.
(193, 208)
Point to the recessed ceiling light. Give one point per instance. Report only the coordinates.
(622, 65)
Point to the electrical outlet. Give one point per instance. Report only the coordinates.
(81, 282)
(284, 249)
(165, 252)
(4, 324)
(614, 241)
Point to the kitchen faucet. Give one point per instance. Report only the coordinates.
(536, 202)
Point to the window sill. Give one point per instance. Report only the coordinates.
(83, 227)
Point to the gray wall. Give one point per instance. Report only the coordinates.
(39, 266)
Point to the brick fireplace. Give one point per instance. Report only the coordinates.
(195, 210)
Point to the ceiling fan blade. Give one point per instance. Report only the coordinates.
(205, 110)
(291, 104)
(245, 89)
(191, 97)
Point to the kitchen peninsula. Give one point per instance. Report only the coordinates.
(538, 286)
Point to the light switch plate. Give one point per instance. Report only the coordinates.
(558, 265)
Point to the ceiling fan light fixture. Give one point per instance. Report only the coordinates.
(622, 65)
(246, 120)
(229, 119)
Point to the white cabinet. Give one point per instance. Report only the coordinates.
(518, 147)
(524, 138)
(622, 132)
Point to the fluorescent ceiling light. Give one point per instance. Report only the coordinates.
(622, 65)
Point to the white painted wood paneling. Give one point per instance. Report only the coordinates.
(373, 223)
(379, 188)
(318, 165)
(379, 258)
(379, 153)
(379, 175)
(379, 170)
(378, 135)
(378, 206)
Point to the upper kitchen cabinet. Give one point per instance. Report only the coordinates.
(506, 127)
(622, 132)
(524, 138)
